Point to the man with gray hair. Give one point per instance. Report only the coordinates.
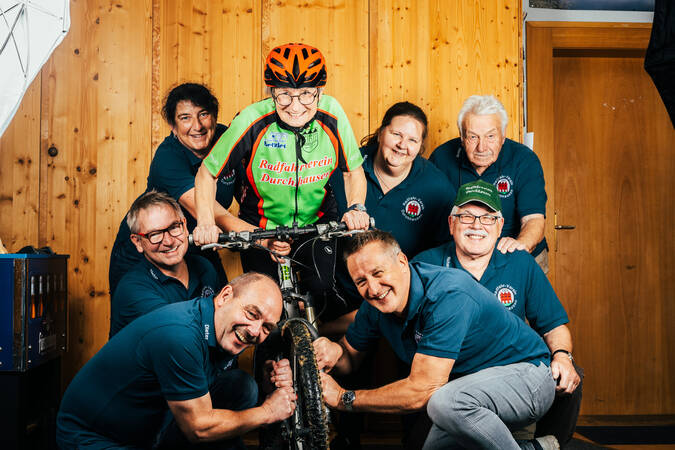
(166, 274)
(520, 286)
(482, 152)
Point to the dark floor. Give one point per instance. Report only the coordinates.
(586, 438)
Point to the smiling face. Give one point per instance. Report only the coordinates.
(170, 251)
(482, 140)
(194, 127)
(400, 141)
(382, 277)
(247, 318)
(296, 114)
(475, 240)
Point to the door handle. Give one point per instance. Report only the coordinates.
(557, 227)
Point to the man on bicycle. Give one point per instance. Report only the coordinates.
(289, 144)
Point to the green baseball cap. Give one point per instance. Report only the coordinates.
(479, 192)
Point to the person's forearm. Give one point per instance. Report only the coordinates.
(355, 186)
(223, 424)
(559, 338)
(531, 231)
(205, 194)
(401, 396)
(227, 221)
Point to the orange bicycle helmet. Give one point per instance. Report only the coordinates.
(295, 66)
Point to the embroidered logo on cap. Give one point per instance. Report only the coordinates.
(504, 186)
(412, 208)
(506, 295)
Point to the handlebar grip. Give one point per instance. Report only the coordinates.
(222, 237)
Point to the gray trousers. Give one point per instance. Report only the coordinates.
(479, 410)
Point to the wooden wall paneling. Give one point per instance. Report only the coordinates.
(339, 28)
(95, 110)
(20, 173)
(212, 42)
(436, 54)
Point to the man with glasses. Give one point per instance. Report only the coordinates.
(290, 144)
(520, 285)
(166, 274)
(482, 152)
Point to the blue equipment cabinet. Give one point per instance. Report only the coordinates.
(33, 310)
(33, 335)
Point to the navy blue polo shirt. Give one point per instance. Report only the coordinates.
(517, 175)
(122, 392)
(145, 288)
(173, 171)
(516, 280)
(450, 316)
(415, 212)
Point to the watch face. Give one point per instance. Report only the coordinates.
(348, 398)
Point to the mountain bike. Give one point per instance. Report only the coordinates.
(307, 428)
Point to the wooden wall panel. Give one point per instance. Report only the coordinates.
(20, 173)
(95, 110)
(438, 53)
(339, 28)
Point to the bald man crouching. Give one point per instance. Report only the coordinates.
(167, 379)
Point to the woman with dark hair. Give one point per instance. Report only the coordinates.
(407, 195)
(191, 111)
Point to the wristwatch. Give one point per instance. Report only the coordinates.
(560, 350)
(357, 207)
(348, 399)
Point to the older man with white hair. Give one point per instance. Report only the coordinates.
(482, 152)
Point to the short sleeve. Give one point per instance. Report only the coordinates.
(178, 359)
(171, 171)
(132, 299)
(445, 325)
(543, 309)
(531, 194)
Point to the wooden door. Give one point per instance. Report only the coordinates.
(607, 144)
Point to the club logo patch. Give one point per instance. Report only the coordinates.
(506, 295)
(228, 178)
(418, 336)
(412, 208)
(311, 140)
(207, 291)
(504, 186)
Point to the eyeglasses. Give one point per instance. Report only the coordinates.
(469, 219)
(157, 236)
(305, 98)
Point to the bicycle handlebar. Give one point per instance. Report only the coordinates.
(244, 239)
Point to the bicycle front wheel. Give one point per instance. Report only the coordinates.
(310, 430)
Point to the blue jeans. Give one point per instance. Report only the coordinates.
(478, 410)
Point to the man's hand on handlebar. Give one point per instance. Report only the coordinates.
(356, 220)
(281, 247)
(205, 234)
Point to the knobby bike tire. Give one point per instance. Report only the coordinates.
(308, 388)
